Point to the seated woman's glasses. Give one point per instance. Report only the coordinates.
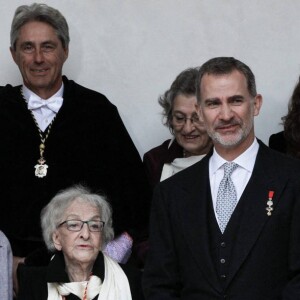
(76, 225)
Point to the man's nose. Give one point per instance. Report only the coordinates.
(226, 112)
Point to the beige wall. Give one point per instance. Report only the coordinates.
(131, 50)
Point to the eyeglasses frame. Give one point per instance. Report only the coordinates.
(82, 223)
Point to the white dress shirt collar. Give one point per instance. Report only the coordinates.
(27, 93)
(246, 160)
(240, 176)
(44, 115)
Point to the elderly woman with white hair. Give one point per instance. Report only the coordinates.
(76, 225)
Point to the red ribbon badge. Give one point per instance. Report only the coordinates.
(269, 208)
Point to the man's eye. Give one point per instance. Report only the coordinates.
(48, 48)
(212, 104)
(237, 101)
(28, 48)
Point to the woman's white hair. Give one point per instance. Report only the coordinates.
(53, 212)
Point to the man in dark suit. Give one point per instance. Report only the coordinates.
(227, 237)
(55, 133)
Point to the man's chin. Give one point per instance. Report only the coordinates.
(227, 142)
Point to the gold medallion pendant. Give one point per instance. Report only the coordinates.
(40, 168)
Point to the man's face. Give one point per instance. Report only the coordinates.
(228, 110)
(40, 56)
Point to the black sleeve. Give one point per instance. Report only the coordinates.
(161, 278)
(134, 276)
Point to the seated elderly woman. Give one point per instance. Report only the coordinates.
(76, 224)
(190, 142)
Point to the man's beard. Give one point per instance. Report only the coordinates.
(241, 134)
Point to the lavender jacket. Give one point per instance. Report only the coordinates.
(6, 288)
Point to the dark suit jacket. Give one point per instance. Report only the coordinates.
(33, 280)
(265, 257)
(88, 144)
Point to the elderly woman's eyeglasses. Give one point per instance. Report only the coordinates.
(180, 120)
(76, 225)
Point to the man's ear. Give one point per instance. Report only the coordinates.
(257, 103)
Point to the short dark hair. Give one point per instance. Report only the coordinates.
(41, 13)
(226, 65)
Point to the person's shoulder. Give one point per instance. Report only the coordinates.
(4, 90)
(277, 135)
(85, 95)
(277, 141)
(189, 177)
(3, 87)
(9, 94)
(165, 152)
(279, 160)
(9, 91)
(158, 150)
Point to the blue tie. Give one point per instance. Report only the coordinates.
(226, 198)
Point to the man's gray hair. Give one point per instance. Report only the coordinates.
(41, 13)
(222, 66)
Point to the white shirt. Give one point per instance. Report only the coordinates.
(43, 115)
(240, 175)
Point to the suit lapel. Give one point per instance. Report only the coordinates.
(193, 213)
(250, 215)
